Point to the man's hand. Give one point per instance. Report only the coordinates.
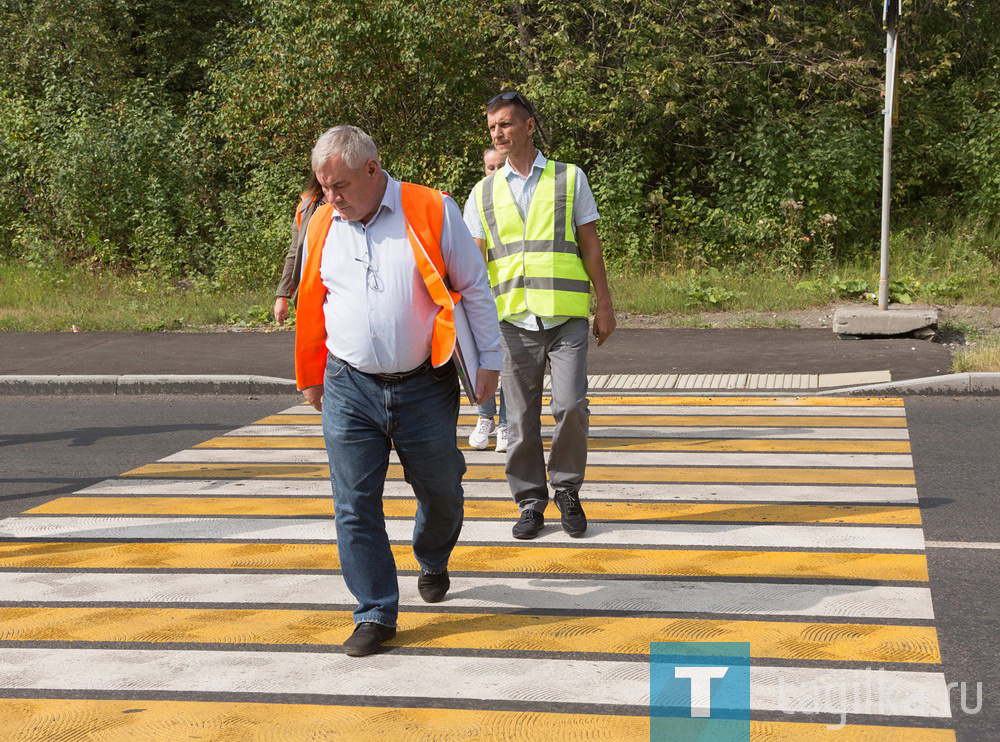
(281, 309)
(486, 384)
(314, 396)
(593, 262)
(604, 324)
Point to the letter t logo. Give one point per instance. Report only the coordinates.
(701, 687)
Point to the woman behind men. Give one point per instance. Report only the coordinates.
(480, 437)
(312, 198)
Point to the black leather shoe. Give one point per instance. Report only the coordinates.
(432, 588)
(367, 637)
(529, 525)
(574, 522)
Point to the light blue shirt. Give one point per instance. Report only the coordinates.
(379, 315)
(522, 189)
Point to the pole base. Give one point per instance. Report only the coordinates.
(875, 322)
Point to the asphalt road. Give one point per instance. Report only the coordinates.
(650, 351)
(955, 443)
(50, 447)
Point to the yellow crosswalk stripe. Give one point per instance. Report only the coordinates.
(749, 401)
(735, 421)
(714, 445)
(720, 474)
(481, 508)
(515, 559)
(45, 720)
(481, 631)
(696, 401)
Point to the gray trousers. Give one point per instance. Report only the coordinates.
(524, 358)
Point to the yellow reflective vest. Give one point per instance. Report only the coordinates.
(534, 264)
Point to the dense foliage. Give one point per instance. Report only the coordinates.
(174, 136)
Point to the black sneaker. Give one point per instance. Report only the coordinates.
(367, 637)
(432, 588)
(529, 525)
(574, 522)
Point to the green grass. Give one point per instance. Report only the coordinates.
(981, 355)
(949, 267)
(956, 266)
(34, 299)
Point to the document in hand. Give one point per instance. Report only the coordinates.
(466, 352)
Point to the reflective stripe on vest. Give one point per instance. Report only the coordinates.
(534, 266)
(423, 209)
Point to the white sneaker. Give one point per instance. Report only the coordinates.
(480, 437)
(501, 439)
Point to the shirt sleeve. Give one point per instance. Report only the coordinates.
(584, 205)
(472, 219)
(467, 274)
(289, 281)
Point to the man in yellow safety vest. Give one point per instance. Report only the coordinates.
(536, 220)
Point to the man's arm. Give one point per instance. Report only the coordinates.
(467, 275)
(593, 263)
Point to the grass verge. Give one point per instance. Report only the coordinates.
(982, 355)
(34, 299)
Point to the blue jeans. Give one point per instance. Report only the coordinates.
(363, 417)
(489, 408)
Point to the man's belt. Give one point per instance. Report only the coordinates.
(421, 369)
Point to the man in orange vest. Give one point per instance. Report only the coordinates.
(385, 264)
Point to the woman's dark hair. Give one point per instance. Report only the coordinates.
(313, 188)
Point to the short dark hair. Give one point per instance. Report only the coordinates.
(510, 98)
(491, 148)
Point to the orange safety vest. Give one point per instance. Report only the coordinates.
(423, 210)
(304, 205)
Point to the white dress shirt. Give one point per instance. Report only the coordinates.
(379, 315)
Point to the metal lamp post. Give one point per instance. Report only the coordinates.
(890, 18)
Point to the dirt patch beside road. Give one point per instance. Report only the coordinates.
(956, 322)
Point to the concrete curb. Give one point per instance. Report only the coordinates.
(984, 384)
(146, 384)
(974, 384)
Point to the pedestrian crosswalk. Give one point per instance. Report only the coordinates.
(198, 597)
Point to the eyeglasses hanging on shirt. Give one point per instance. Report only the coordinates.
(371, 273)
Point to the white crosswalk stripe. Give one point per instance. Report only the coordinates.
(634, 492)
(610, 682)
(640, 596)
(609, 458)
(599, 534)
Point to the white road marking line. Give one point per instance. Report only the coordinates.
(598, 490)
(481, 593)
(690, 410)
(719, 410)
(615, 683)
(990, 545)
(625, 431)
(594, 458)
(617, 534)
(388, 675)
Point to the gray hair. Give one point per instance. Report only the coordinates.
(350, 142)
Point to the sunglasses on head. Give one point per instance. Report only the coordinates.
(509, 96)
